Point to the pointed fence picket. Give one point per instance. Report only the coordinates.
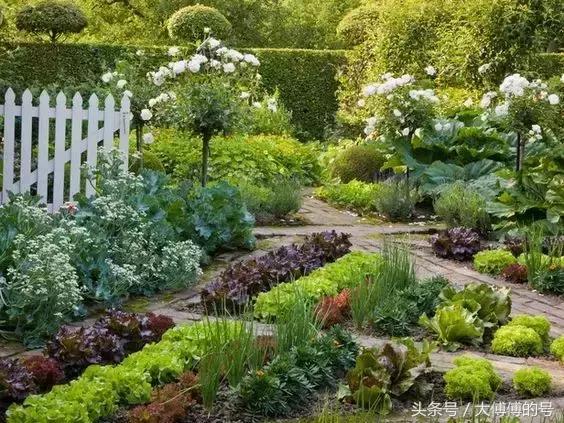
(44, 147)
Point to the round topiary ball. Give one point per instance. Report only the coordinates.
(51, 18)
(361, 162)
(190, 23)
(355, 27)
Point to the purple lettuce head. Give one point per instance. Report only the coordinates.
(456, 243)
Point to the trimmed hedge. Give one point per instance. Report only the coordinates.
(306, 79)
(307, 83)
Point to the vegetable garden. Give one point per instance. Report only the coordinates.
(332, 211)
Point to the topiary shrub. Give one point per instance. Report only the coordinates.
(472, 379)
(361, 162)
(532, 382)
(356, 25)
(190, 23)
(52, 18)
(493, 262)
(517, 341)
(557, 348)
(539, 324)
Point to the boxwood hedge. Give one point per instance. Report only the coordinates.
(306, 79)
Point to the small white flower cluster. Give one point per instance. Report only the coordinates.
(42, 282)
(221, 59)
(427, 95)
(487, 99)
(430, 70)
(179, 265)
(535, 134)
(162, 98)
(120, 84)
(389, 84)
(515, 86)
(370, 125)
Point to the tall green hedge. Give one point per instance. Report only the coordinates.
(306, 79)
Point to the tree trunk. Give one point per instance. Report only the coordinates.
(520, 153)
(205, 158)
(139, 144)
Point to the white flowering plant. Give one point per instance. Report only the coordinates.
(214, 89)
(397, 107)
(527, 108)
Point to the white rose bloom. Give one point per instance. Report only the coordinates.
(173, 51)
(468, 103)
(199, 58)
(179, 67)
(213, 43)
(251, 59)
(244, 95)
(152, 102)
(172, 95)
(502, 110)
(562, 78)
(536, 129)
(107, 77)
(128, 93)
(148, 138)
(369, 90)
(146, 114)
(216, 64)
(229, 68)
(438, 127)
(207, 30)
(514, 85)
(121, 83)
(194, 66)
(405, 132)
(430, 70)
(221, 51)
(361, 103)
(553, 99)
(257, 105)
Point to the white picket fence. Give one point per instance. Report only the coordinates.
(43, 145)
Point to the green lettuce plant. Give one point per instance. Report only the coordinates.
(393, 370)
(493, 262)
(472, 379)
(455, 324)
(494, 303)
(517, 341)
(540, 324)
(557, 348)
(532, 382)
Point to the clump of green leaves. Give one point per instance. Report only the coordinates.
(393, 370)
(540, 324)
(396, 200)
(354, 195)
(532, 382)
(459, 206)
(472, 379)
(464, 315)
(557, 348)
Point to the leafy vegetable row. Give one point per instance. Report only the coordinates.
(72, 349)
(102, 389)
(235, 286)
(347, 272)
